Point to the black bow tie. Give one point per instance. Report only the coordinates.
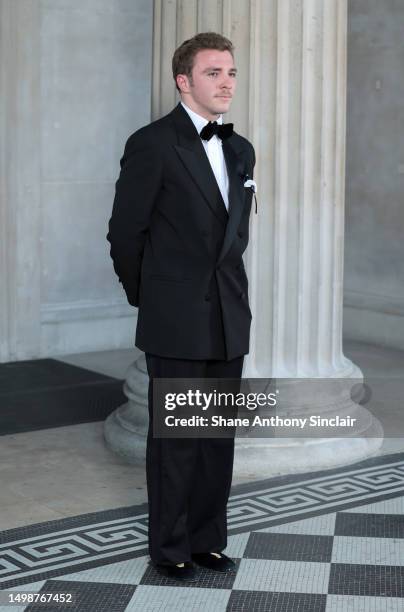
(223, 131)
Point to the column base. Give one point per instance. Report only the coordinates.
(258, 459)
(125, 432)
(125, 429)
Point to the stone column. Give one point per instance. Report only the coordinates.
(297, 241)
(20, 154)
(295, 258)
(125, 429)
(291, 103)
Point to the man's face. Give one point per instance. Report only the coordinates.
(213, 83)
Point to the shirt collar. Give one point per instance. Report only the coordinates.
(199, 121)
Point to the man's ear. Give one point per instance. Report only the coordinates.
(184, 83)
(178, 80)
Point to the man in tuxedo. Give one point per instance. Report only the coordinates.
(178, 229)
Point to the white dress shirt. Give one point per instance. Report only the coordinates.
(214, 151)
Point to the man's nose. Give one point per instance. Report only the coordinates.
(227, 83)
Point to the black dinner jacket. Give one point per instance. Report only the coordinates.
(175, 248)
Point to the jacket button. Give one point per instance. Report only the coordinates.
(207, 297)
(240, 234)
(241, 295)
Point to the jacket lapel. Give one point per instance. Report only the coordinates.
(235, 170)
(193, 155)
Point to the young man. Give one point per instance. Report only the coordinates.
(178, 229)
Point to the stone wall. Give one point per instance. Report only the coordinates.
(75, 81)
(374, 215)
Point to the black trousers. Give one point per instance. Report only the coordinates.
(188, 479)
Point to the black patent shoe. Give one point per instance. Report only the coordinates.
(220, 563)
(185, 572)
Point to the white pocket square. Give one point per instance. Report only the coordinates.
(252, 184)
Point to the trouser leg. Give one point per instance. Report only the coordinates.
(207, 515)
(170, 471)
(188, 479)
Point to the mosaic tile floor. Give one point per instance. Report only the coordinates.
(329, 541)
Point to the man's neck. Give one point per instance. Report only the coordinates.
(201, 112)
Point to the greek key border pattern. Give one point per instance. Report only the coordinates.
(104, 538)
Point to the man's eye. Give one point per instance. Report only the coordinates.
(233, 74)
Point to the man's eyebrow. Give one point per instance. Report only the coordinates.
(219, 69)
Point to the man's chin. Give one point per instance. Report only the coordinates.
(222, 108)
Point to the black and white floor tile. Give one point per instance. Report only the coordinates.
(330, 541)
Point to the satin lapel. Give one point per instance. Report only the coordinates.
(193, 155)
(235, 169)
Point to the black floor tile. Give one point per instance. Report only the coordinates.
(370, 580)
(289, 547)
(207, 579)
(261, 601)
(369, 525)
(87, 596)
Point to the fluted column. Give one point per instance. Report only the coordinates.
(295, 259)
(291, 103)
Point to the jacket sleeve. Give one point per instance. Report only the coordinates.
(136, 191)
(252, 160)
